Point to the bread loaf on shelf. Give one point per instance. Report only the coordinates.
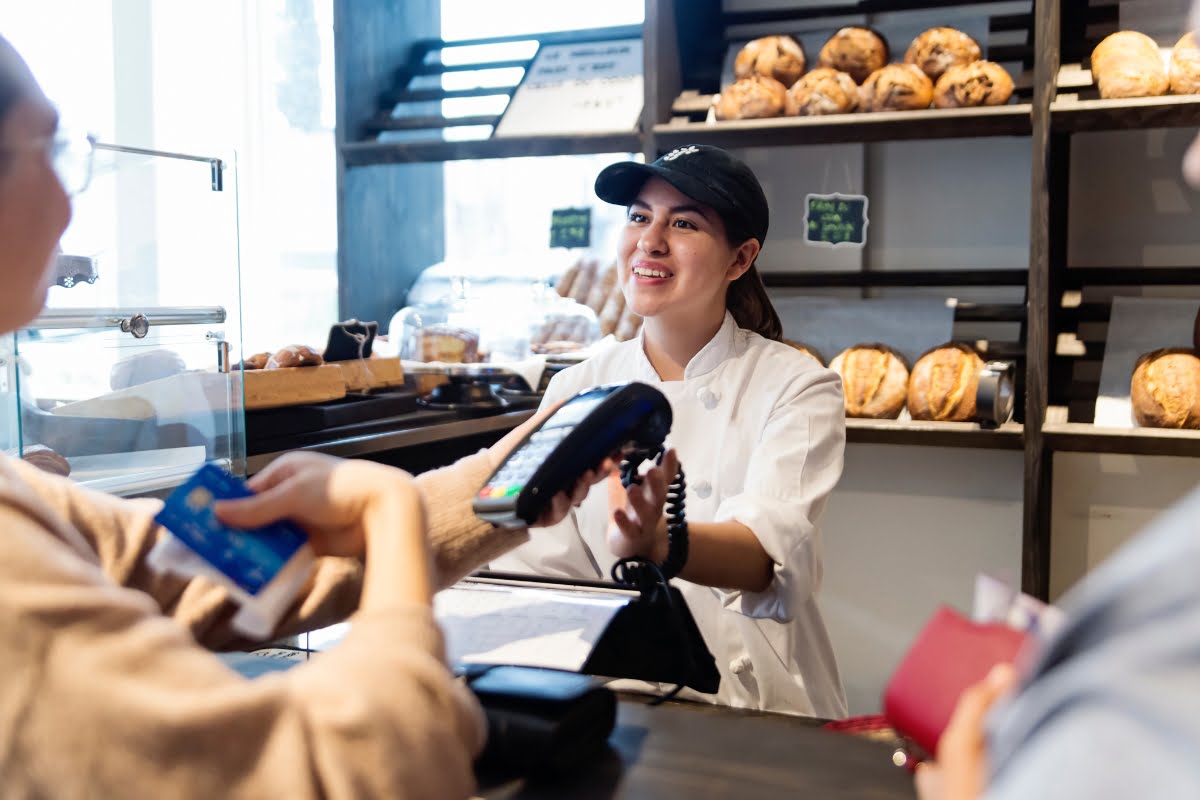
(256, 361)
(778, 57)
(980, 83)
(944, 383)
(938, 49)
(874, 380)
(808, 351)
(755, 97)
(822, 91)
(1129, 64)
(1184, 74)
(896, 87)
(1165, 389)
(854, 50)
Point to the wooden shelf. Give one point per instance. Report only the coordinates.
(1011, 120)
(1083, 438)
(360, 154)
(1078, 116)
(934, 434)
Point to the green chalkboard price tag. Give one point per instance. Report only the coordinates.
(834, 220)
(571, 227)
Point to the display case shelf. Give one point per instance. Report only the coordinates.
(1083, 438)
(359, 154)
(1071, 115)
(934, 434)
(1010, 120)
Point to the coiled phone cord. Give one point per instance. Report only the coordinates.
(650, 576)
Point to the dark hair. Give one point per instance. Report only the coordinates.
(14, 79)
(747, 299)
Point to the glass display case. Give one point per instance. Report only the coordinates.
(127, 373)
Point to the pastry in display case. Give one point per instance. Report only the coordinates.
(124, 382)
(874, 380)
(1165, 389)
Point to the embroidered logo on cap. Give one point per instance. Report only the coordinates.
(681, 151)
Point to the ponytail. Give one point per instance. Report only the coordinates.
(748, 302)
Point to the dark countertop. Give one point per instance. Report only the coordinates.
(698, 751)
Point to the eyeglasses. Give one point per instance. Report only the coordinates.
(70, 155)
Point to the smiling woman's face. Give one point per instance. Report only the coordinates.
(34, 208)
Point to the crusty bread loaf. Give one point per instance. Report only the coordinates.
(1184, 74)
(980, 83)
(938, 49)
(610, 313)
(808, 351)
(755, 97)
(603, 285)
(1129, 64)
(822, 91)
(1165, 389)
(896, 87)
(449, 344)
(47, 460)
(943, 384)
(778, 57)
(581, 287)
(874, 380)
(628, 326)
(854, 50)
(564, 284)
(294, 355)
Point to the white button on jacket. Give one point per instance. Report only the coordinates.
(761, 426)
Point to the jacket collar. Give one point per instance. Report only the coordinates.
(719, 347)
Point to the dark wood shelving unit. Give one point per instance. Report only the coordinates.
(882, 126)
(684, 44)
(935, 434)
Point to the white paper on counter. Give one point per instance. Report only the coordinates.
(910, 325)
(1137, 325)
(530, 627)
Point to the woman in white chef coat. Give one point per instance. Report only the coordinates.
(759, 429)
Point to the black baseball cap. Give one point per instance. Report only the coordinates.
(707, 174)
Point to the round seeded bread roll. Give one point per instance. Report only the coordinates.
(256, 361)
(1185, 66)
(980, 83)
(896, 87)
(822, 91)
(856, 51)
(1129, 64)
(874, 380)
(1165, 389)
(808, 351)
(938, 49)
(943, 384)
(778, 57)
(295, 355)
(755, 97)
(47, 460)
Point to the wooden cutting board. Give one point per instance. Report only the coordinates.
(371, 373)
(276, 388)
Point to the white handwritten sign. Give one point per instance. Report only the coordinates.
(578, 88)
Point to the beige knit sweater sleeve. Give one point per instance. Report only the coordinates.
(104, 697)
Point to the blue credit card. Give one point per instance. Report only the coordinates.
(250, 558)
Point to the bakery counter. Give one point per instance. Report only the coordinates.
(682, 749)
(1010, 436)
(416, 429)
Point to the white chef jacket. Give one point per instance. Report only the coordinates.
(760, 431)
